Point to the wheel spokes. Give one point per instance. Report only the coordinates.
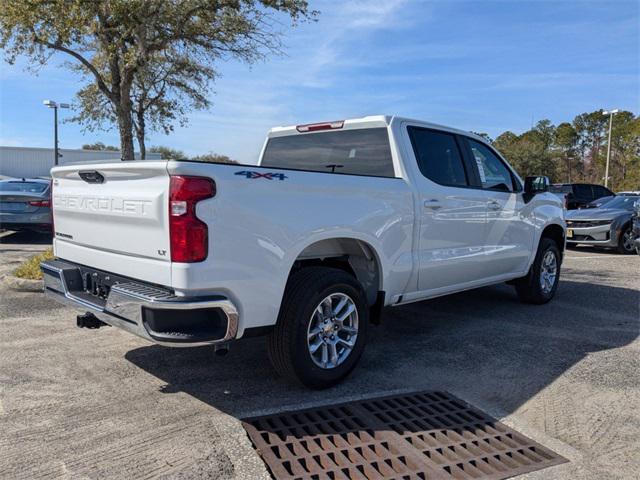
(346, 343)
(347, 312)
(343, 301)
(313, 333)
(333, 351)
(332, 330)
(325, 354)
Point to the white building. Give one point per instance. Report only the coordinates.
(36, 162)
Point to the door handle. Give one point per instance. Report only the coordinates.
(433, 204)
(493, 205)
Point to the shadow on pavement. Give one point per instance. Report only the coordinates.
(483, 346)
(26, 238)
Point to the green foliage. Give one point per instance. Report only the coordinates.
(99, 146)
(168, 153)
(30, 269)
(213, 158)
(122, 45)
(577, 151)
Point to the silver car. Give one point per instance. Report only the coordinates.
(25, 204)
(608, 225)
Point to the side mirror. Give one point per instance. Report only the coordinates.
(535, 185)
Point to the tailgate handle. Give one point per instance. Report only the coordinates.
(91, 176)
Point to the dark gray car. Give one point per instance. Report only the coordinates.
(606, 226)
(25, 204)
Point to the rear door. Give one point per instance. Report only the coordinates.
(452, 215)
(114, 216)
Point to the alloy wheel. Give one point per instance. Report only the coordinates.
(548, 271)
(332, 331)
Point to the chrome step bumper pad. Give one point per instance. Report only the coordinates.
(127, 301)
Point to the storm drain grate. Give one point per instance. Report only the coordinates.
(412, 436)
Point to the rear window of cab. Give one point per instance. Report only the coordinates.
(347, 152)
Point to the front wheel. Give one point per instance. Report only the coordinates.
(625, 243)
(540, 284)
(322, 327)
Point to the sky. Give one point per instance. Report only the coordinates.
(486, 66)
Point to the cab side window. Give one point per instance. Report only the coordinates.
(494, 174)
(583, 192)
(438, 156)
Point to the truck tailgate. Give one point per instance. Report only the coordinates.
(114, 216)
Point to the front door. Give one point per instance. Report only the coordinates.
(510, 223)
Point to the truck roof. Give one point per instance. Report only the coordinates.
(369, 121)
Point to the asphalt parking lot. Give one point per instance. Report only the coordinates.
(95, 404)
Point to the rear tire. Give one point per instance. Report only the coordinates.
(540, 284)
(625, 242)
(315, 299)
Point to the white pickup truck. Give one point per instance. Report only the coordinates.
(336, 221)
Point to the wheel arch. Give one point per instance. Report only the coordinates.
(555, 232)
(354, 255)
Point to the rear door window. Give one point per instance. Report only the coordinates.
(438, 156)
(356, 152)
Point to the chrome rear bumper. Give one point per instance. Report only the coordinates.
(151, 312)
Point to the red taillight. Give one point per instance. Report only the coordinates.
(188, 234)
(314, 127)
(40, 203)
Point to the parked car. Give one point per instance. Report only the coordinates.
(25, 204)
(578, 195)
(632, 193)
(606, 226)
(338, 220)
(597, 203)
(636, 226)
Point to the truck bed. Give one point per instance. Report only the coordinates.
(259, 222)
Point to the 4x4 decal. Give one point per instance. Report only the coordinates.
(268, 175)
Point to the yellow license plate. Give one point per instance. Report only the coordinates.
(569, 233)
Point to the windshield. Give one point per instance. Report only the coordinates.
(23, 187)
(622, 202)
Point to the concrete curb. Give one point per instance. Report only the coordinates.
(21, 284)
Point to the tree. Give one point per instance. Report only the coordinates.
(168, 153)
(576, 151)
(213, 158)
(162, 93)
(116, 40)
(566, 145)
(591, 128)
(99, 146)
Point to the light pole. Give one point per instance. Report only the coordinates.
(55, 106)
(611, 113)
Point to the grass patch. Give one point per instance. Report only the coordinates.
(30, 269)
